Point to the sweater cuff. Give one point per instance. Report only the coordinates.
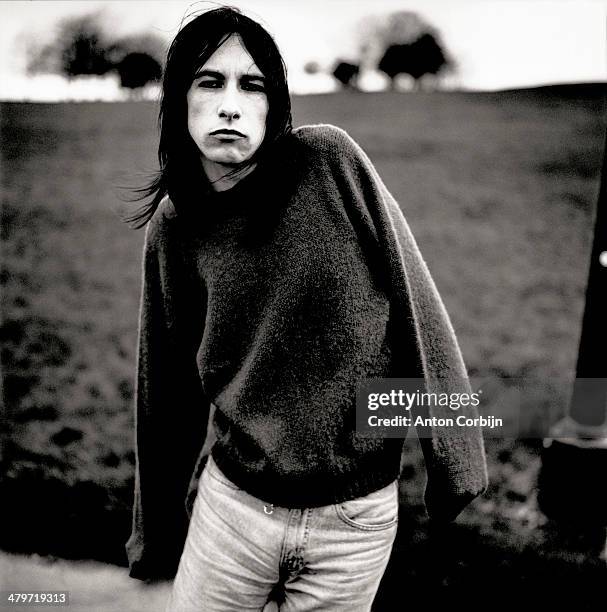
(444, 502)
(447, 507)
(151, 563)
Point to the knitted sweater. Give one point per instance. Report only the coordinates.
(259, 315)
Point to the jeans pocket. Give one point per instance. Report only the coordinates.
(217, 475)
(373, 512)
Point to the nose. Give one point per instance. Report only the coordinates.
(229, 108)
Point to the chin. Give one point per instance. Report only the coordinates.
(227, 158)
(232, 160)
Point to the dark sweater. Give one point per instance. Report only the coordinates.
(260, 313)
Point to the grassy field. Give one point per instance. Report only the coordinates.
(499, 189)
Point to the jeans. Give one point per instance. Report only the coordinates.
(242, 553)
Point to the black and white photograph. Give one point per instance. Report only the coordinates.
(303, 305)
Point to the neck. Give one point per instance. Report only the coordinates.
(216, 173)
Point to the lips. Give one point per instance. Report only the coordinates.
(226, 132)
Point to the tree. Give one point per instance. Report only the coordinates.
(377, 33)
(403, 43)
(347, 74)
(312, 67)
(396, 60)
(417, 59)
(146, 43)
(79, 48)
(138, 69)
(403, 27)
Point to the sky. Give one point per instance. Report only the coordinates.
(497, 43)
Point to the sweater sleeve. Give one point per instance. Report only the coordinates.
(171, 410)
(454, 456)
(425, 345)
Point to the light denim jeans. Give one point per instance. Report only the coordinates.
(242, 553)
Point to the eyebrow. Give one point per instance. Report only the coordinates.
(218, 75)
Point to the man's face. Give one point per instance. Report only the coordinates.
(227, 108)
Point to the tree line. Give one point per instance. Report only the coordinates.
(81, 46)
(401, 43)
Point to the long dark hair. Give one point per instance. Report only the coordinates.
(181, 170)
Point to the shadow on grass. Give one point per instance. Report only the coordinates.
(459, 565)
(49, 517)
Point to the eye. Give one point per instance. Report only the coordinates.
(253, 86)
(214, 84)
